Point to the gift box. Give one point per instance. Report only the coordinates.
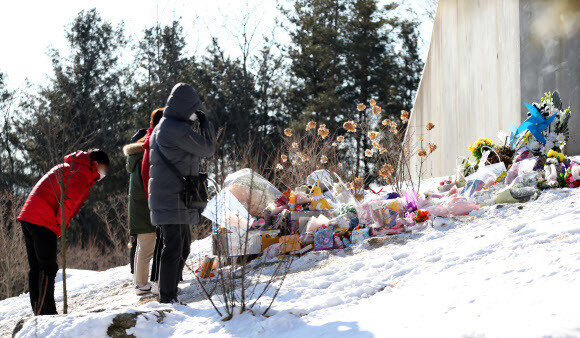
(289, 244)
(268, 240)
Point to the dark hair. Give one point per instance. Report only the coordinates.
(156, 116)
(99, 156)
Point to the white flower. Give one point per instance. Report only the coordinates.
(502, 136)
(561, 138)
(549, 145)
(552, 136)
(534, 145)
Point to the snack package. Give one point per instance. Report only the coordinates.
(359, 235)
(323, 238)
(382, 217)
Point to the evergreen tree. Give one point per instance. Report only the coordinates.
(86, 105)
(317, 62)
(411, 64)
(371, 65)
(229, 94)
(162, 64)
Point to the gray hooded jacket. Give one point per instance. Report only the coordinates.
(183, 147)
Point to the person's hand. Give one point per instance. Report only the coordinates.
(201, 117)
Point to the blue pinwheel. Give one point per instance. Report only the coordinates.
(536, 123)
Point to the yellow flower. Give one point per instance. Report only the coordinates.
(382, 150)
(350, 185)
(376, 145)
(340, 139)
(556, 155)
(430, 126)
(295, 145)
(404, 114)
(311, 125)
(323, 159)
(334, 144)
(372, 135)
(350, 126)
(369, 153)
(284, 158)
(421, 139)
(372, 102)
(323, 131)
(359, 197)
(386, 122)
(361, 107)
(288, 132)
(376, 110)
(422, 152)
(340, 164)
(279, 166)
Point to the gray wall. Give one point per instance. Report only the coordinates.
(483, 63)
(550, 62)
(470, 86)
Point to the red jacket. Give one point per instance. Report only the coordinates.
(41, 206)
(145, 164)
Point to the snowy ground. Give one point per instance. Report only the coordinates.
(508, 271)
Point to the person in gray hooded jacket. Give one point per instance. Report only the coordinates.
(184, 148)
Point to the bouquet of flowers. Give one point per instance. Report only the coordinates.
(556, 134)
(421, 216)
(479, 146)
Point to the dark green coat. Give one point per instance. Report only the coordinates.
(139, 215)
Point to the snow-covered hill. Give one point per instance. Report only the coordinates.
(509, 271)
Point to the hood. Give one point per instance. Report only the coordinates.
(138, 135)
(182, 102)
(133, 148)
(79, 157)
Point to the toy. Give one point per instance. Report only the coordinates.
(318, 200)
(535, 124)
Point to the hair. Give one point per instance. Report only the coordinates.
(99, 156)
(156, 116)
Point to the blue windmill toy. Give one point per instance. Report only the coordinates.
(536, 123)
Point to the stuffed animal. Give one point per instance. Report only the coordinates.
(318, 200)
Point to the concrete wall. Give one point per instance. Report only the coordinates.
(471, 82)
(484, 61)
(551, 61)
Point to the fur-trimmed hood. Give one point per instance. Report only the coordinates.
(133, 148)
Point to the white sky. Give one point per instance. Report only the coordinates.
(28, 28)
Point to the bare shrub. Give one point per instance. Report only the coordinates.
(13, 259)
(113, 213)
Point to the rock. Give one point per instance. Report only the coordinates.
(124, 321)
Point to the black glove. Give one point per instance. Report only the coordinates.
(201, 117)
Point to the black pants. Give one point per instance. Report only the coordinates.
(157, 255)
(132, 252)
(41, 249)
(176, 244)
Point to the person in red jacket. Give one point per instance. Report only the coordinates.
(156, 116)
(41, 221)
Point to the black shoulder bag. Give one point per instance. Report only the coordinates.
(194, 191)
